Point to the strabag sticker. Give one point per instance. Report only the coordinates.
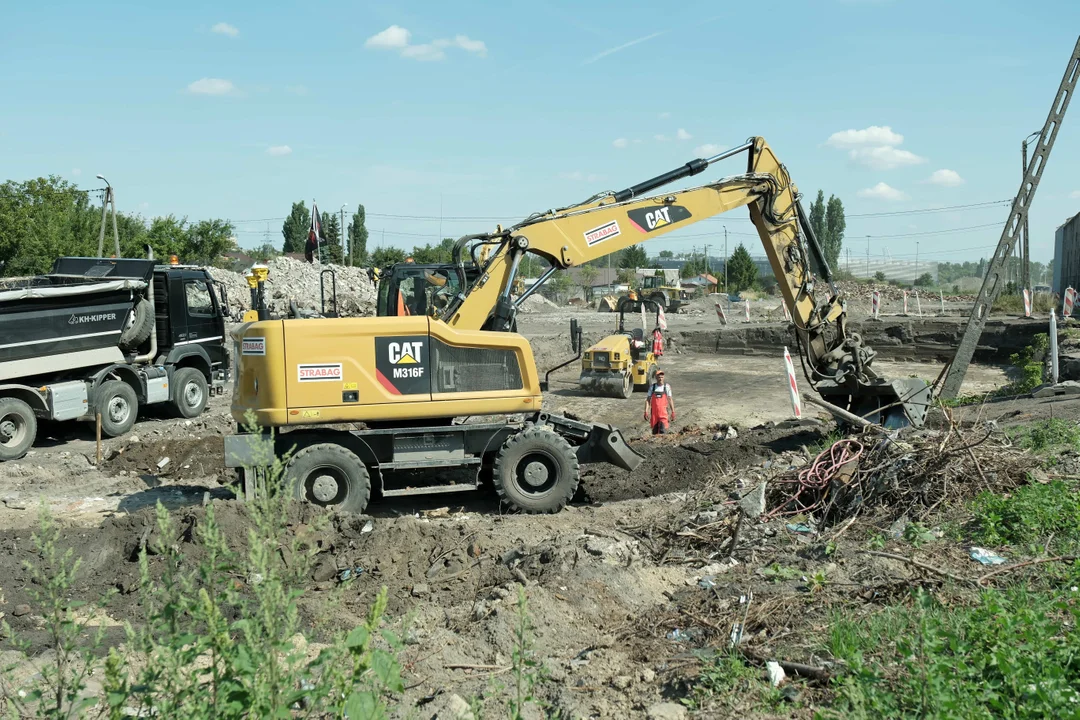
(253, 346)
(602, 233)
(323, 372)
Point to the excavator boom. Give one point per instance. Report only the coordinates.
(835, 361)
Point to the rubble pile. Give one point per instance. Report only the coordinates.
(889, 293)
(298, 281)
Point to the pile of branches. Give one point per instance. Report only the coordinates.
(910, 473)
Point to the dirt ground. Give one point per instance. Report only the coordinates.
(613, 610)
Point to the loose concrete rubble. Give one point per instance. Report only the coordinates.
(298, 281)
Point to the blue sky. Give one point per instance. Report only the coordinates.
(494, 110)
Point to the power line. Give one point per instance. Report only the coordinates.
(484, 218)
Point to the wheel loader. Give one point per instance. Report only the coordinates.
(623, 362)
(375, 406)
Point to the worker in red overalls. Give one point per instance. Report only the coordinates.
(659, 405)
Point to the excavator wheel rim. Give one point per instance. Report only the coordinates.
(330, 475)
(536, 471)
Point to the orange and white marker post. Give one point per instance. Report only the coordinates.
(905, 302)
(661, 319)
(918, 303)
(796, 403)
(875, 304)
(720, 314)
(1069, 301)
(746, 304)
(787, 313)
(942, 294)
(1027, 303)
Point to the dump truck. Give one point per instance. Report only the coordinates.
(107, 336)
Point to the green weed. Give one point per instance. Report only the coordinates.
(1047, 436)
(1028, 514)
(725, 681)
(220, 640)
(1011, 655)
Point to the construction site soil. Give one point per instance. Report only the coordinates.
(625, 587)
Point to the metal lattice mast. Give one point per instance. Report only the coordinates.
(991, 287)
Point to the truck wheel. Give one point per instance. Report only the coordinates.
(190, 392)
(140, 323)
(118, 406)
(330, 475)
(18, 428)
(536, 471)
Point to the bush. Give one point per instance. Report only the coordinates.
(879, 276)
(924, 280)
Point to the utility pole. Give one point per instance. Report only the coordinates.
(341, 237)
(706, 259)
(916, 260)
(1025, 257)
(110, 198)
(725, 258)
(867, 257)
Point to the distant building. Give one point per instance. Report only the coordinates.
(1067, 255)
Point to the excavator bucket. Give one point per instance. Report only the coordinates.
(890, 403)
(606, 444)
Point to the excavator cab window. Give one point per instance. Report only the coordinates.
(411, 289)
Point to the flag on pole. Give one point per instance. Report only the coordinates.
(314, 239)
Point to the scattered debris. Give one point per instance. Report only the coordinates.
(986, 557)
(776, 673)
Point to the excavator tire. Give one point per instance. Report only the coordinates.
(140, 323)
(536, 471)
(330, 475)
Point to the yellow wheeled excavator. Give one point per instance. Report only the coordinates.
(402, 382)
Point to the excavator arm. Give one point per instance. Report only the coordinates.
(835, 361)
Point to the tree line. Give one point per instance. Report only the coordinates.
(49, 217)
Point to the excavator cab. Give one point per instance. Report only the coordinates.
(418, 289)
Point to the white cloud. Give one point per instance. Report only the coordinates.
(665, 115)
(424, 52)
(945, 178)
(468, 45)
(637, 141)
(296, 89)
(392, 37)
(279, 150)
(660, 138)
(76, 172)
(144, 205)
(224, 28)
(884, 157)
(1075, 194)
(212, 86)
(620, 142)
(871, 136)
(618, 48)
(397, 38)
(683, 135)
(882, 191)
(709, 149)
